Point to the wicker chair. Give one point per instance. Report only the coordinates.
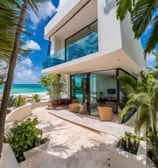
(105, 113)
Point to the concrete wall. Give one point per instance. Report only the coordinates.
(62, 15)
(8, 159)
(109, 35)
(131, 46)
(122, 159)
(38, 104)
(19, 114)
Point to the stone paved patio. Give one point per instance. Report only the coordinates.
(70, 145)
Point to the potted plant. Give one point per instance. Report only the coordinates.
(130, 142)
(24, 136)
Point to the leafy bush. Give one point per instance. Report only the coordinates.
(12, 101)
(23, 137)
(16, 101)
(130, 142)
(20, 101)
(152, 141)
(36, 98)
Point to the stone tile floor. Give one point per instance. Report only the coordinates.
(71, 145)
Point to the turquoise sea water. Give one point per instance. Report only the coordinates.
(25, 88)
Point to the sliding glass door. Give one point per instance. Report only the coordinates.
(79, 88)
(103, 90)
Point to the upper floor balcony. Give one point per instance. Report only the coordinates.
(82, 43)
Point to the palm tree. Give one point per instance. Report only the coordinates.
(13, 59)
(8, 20)
(55, 84)
(142, 16)
(143, 95)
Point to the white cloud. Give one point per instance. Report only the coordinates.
(31, 45)
(26, 73)
(26, 62)
(150, 60)
(45, 10)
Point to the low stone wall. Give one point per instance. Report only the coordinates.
(38, 104)
(8, 159)
(121, 159)
(19, 114)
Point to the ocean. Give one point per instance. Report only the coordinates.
(25, 89)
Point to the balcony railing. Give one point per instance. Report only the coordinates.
(80, 48)
(54, 59)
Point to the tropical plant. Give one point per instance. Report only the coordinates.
(130, 142)
(14, 48)
(55, 85)
(12, 101)
(143, 15)
(23, 137)
(8, 19)
(143, 95)
(20, 101)
(36, 98)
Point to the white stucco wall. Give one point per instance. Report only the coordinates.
(8, 159)
(131, 46)
(19, 114)
(115, 39)
(62, 15)
(108, 27)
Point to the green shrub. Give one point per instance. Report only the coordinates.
(12, 101)
(36, 98)
(20, 101)
(152, 141)
(130, 142)
(23, 137)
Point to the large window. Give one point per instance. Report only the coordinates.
(103, 90)
(83, 43)
(79, 87)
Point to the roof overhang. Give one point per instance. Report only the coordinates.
(71, 19)
(97, 62)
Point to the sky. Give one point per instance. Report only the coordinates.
(29, 69)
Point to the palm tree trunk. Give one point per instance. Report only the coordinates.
(10, 74)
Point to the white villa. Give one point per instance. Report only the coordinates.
(92, 47)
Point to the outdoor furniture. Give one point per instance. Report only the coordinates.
(74, 107)
(64, 102)
(105, 113)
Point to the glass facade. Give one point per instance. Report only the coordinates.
(55, 59)
(79, 87)
(82, 43)
(98, 88)
(103, 90)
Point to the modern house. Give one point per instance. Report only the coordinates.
(92, 47)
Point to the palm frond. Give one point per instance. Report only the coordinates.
(143, 117)
(125, 110)
(153, 39)
(128, 83)
(141, 15)
(123, 7)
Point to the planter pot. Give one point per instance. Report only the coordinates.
(105, 113)
(33, 151)
(123, 159)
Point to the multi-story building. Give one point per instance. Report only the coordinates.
(92, 47)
